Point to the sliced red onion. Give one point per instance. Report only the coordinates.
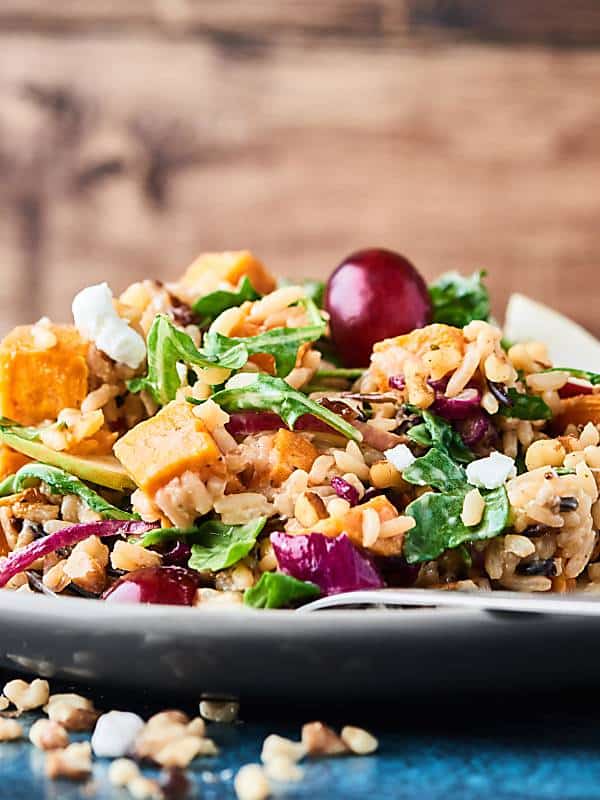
(177, 555)
(345, 490)
(459, 407)
(575, 388)
(19, 560)
(335, 565)
(247, 423)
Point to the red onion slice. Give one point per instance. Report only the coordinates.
(19, 560)
(459, 407)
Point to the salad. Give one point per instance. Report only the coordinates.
(233, 440)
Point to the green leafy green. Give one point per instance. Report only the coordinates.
(281, 343)
(61, 483)
(458, 299)
(592, 377)
(350, 373)
(160, 535)
(265, 393)
(436, 432)
(168, 346)
(525, 406)
(276, 590)
(219, 546)
(436, 469)
(439, 526)
(211, 305)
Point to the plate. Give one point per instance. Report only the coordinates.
(326, 656)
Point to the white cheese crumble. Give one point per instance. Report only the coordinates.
(491, 472)
(97, 320)
(115, 734)
(400, 457)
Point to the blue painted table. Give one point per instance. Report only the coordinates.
(516, 748)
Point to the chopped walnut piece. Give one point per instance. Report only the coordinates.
(122, 771)
(4, 702)
(27, 696)
(320, 740)
(10, 730)
(74, 762)
(72, 711)
(359, 740)
(197, 727)
(279, 747)
(129, 556)
(251, 783)
(48, 735)
(180, 752)
(86, 566)
(142, 788)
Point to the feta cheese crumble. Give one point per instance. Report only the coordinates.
(115, 734)
(96, 319)
(491, 472)
(400, 457)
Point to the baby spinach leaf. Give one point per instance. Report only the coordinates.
(220, 546)
(525, 406)
(458, 299)
(276, 590)
(281, 343)
(211, 305)
(61, 483)
(436, 432)
(436, 469)
(439, 526)
(161, 535)
(167, 346)
(266, 393)
(592, 377)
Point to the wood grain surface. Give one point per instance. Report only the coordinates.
(131, 140)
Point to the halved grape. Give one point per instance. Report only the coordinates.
(173, 586)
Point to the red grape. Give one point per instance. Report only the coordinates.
(173, 586)
(374, 294)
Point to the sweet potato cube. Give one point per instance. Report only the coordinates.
(290, 451)
(167, 445)
(210, 269)
(36, 383)
(578, 411)
(10, 461)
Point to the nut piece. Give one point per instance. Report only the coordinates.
(160, 730)
(251, 783)
(180, 752)
(197, 727)
(74, 762)
(86, 566)
(129, 556)
(115, 733)
(4, 702)
(144, 789)
(27, 696)
(320, 740)
(309, 509)
(10, 730)
(168, 718)
(48, 735)
(359, 740)
(219, 710)
(277, 747)
(72, 711)
(122, 771)
(283, 770)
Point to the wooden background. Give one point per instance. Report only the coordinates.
(464, 133)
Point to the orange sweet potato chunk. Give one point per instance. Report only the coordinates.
(210, 269)
(578, 411)
(10, 461)
(36, 383)
(167, 445)
(290, 451)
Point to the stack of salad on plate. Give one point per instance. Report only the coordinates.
(229, 439)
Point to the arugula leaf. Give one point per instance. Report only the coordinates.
(439, 526)
(211, 305)
(281, 343)
(265, 393)
(525, 406)
(276, 590)
(457, 299)
(350, 373)
(436, 469)
(436, 432)
(220, 546)
(61, 483)
(160, 535)
(167, 346)
(592, 377)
